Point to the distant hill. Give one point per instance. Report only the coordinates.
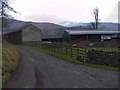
(72, 24)
(77, 28)
(45, 25)
(5, 21)
(110, 26)
(12, 25)
(82, 26)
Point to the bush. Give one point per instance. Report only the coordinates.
(103, 58)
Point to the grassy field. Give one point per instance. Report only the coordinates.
(10, 61)
(73, 60)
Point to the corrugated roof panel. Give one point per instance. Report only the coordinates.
(92, 32)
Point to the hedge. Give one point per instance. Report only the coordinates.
(103, 58)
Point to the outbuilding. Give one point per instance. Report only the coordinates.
(19, 32)
(91, 35)
(53, 32)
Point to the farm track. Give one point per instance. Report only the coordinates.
(39, 70)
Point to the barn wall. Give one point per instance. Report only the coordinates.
(53, 39)
(15, 37)
(94, 38)
(66, 37)
(5, 37)
(75, 38)
(90, 38)
(31, 34)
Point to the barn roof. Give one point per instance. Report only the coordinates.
(85, 32)
(13, 27)
(50, 30)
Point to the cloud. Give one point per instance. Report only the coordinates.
(43, 18)
(70, 10)
(113, 15)
(119, 12)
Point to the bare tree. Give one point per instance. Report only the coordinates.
(93, 25)
(5, 8)
(96, 17)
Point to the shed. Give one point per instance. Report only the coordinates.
(19, 32)
(91, 35)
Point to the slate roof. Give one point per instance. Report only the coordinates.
(49, 30)
(13, 26)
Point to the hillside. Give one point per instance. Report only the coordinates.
(12, 25)
(82, 26)
(15, 25)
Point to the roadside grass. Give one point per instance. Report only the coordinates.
(107, 49)
(10, 61)
(0, 63)
(74, 60)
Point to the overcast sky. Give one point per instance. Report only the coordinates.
(65, 10)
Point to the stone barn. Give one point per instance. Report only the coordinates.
(19, 32)
(53, 32)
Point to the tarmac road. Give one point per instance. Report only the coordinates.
(39, 70)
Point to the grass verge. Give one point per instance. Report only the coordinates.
(106, 49)
(10, 61)
(70, 59)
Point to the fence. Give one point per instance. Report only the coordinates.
(84, 54)
(68, 50)
(99, 44)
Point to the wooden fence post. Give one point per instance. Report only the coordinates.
(71, 52)
(54, 48)
(77, 51)
(66, 50)
(57, 48)
(61, 49)
(85, 54)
